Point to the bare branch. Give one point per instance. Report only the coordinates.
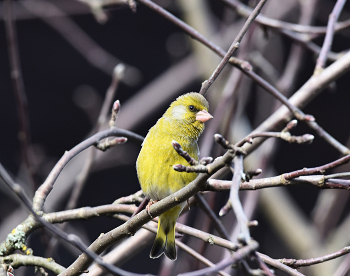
(277, 181)
(107, 144)
(245, 11)
(18, 260)
(237, 256)
(320, 169)
(206, 237)
(235, 201)
(299, 263)
(70, 238)
(104, 241)
(304, 95)
(47, 186)
(190, 160)
(198, 256)
(234, 46)
(276, 264)
(327, 44)
(217, 223)
(19, 91)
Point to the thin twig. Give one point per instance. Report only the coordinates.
(206, 237)
(276, 264)
(234, 198)
(337, 175)
(184, 247)
(184, 154)
(237, 256)
(198, 256)
(248, 71)
(303, 96)
(303, 139)
(299, 263)
(46, 187)
(263, 266)
(19, 91)
(278, 181)
(217, 223)
(194, 33)
(70, 238)
(327, 137)
(105, 240)
(234, 46)
(327, 44)
(320, 169)
(308, 44)
(81, 178)
(136, 197)
(245, 11)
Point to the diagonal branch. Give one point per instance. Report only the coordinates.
(237, 256)
(130, 227)
(70, 238)
(234, 46)
(245, 11)
(327, 44)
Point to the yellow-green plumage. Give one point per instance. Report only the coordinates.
(155, 162)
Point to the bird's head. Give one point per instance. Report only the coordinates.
(188, 114)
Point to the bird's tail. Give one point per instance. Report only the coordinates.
(165, 239)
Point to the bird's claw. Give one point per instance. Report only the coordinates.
(148, 207)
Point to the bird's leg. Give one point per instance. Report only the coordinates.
(142, 205)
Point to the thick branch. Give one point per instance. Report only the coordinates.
(130, 227)
(18, 260)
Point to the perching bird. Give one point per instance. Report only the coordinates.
(183, 122)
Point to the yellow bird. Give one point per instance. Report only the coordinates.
(183, 122)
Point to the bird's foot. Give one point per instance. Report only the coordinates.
(151, 202)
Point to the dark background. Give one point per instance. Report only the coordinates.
(57, 78)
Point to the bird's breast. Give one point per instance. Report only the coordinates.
(155, 163)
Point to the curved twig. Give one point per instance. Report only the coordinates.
(46, 187)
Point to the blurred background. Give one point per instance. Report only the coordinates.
(67, 52)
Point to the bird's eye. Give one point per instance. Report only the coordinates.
(192, 108)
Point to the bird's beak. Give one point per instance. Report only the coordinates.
(203, 116)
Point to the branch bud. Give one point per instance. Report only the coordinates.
(116, 107)
(309, 118)
(292, 124)
(308, 138)
(118, 71)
